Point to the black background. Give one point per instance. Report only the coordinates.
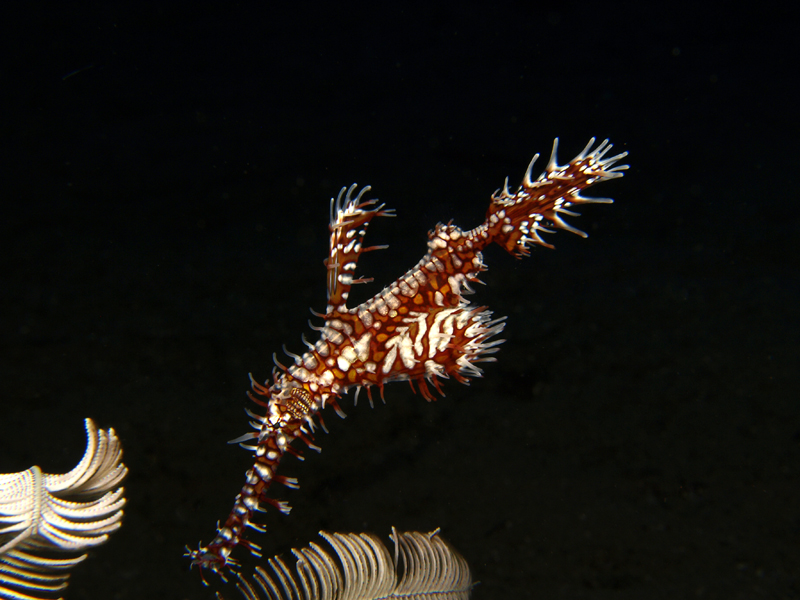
(166, 171)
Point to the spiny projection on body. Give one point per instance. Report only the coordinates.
(419, 329)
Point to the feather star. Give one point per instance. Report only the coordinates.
(41, 512)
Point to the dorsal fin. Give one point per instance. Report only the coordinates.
(349, 220)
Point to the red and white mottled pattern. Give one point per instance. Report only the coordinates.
(420, 328)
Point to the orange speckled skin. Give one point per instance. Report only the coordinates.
(420, 328)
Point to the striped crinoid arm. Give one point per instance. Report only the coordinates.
(42, 513)
(516, 219)
(361, 567)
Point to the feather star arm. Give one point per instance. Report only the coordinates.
(430, 568)
(70, 513)
(420, 328)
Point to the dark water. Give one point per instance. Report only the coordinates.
(165, 183)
